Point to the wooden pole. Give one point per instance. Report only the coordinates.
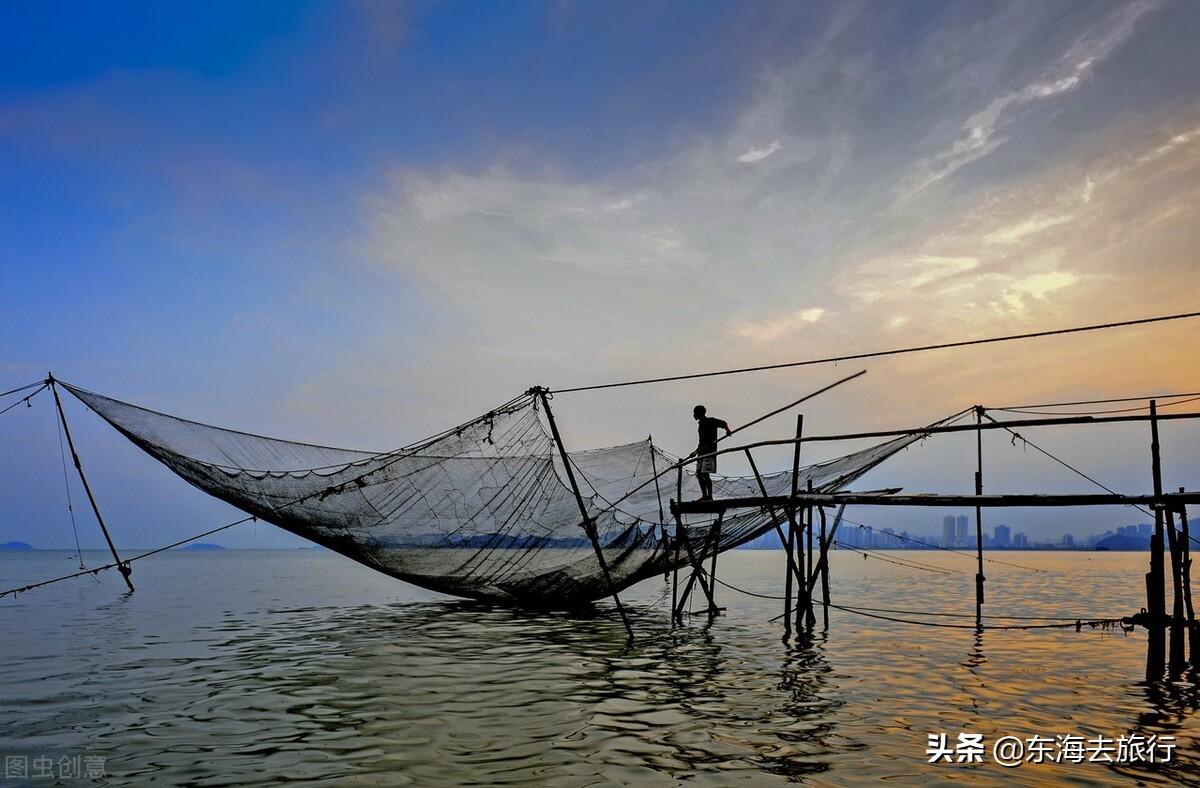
(790, 547)
(1155, 604)
(1177, 661)
(1193, 632)
(588, 526)
(675, 575)
(823, 569)
(795, 535)
(792, 567)
(811, 616)
(715, 540)
(662, 518)
(122, 566)
(979, 516)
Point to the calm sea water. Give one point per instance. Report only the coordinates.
(267, 666)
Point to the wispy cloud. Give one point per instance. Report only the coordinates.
(979, 133)
(758, 154)
(778, 327)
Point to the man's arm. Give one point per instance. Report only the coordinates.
(725, 426)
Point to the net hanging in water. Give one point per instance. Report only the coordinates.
(480, 511)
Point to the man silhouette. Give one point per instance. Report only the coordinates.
(706, 449)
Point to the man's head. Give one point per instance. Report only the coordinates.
(698, 412)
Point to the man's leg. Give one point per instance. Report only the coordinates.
(705, 486)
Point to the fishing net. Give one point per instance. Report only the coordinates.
(482, 510)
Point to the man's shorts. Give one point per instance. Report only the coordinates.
(706, 463)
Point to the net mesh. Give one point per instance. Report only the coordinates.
(482, 510)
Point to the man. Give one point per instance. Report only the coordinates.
(706, 449)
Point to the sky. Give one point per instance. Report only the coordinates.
(357, 223)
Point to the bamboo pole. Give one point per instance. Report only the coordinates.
(1155, 605)
(1193, 632)
(979, 578)
(823, 570)
(122, 566)
(588, 526)
(1177, 661)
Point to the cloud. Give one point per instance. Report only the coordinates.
(1036, 286)
(758, 154)
(978, 134)
(773, 329)
(1027, 227)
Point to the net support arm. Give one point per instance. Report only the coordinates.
(588, 525)
(122, 566)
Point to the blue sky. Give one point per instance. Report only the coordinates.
(354, 223)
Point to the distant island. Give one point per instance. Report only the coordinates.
(17, 546)
(205, 546)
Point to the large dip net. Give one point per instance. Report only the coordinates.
(483, 510)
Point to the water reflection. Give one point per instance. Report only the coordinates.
(255, 671)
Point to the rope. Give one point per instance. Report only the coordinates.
(62, 455)
(1065, 464)
(23, 399)
(31, 586)
(896, 561)
(1077, 623)
(1106, 412)
(947, 549)
(1099, 401)
(880, 353)
(1072, 619)
(22, 388)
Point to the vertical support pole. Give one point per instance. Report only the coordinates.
(823, 569)
(811, 616)
(979, 516)
(122, 566)
(1155, 604)
(795, 536)
(1193, 632)
(712, 572)
(675, 580)
(588, 525)
(1177, 661)
(789, 545)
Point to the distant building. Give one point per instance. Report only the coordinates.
(961, 530)
(1003, 537)
(948, 531)
(1020, 541)
(1145, 530)
(1068, 540)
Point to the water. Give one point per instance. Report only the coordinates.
(255, 666)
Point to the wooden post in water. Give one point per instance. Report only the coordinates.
(811, 616)
(1177, 661)
(979, 516)
(1193, 632)
(789, 545)
(675, 574)
(715, 540)
(1155, 604)
(795, 536)
(823, 568)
